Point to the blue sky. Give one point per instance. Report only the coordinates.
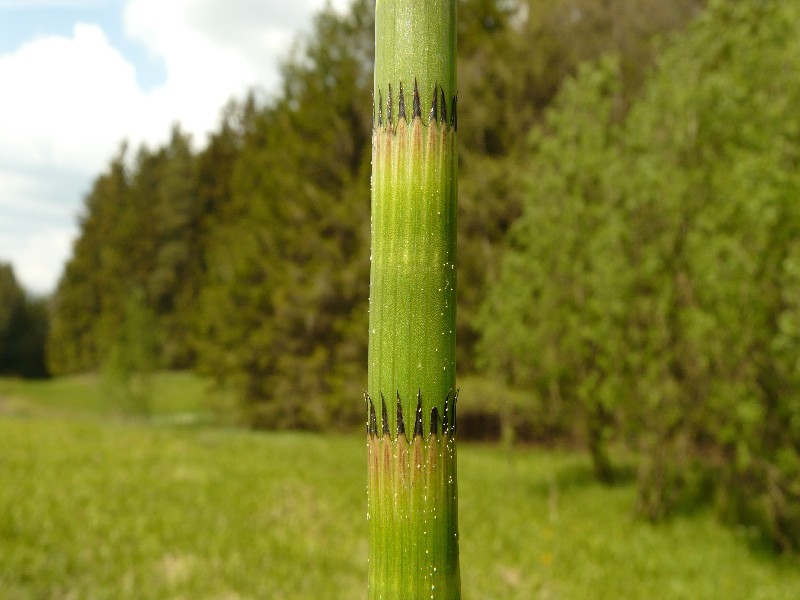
(77, 77)
(22, 21)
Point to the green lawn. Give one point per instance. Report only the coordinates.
(95, 509)
(175, 395)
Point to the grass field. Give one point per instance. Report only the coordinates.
(175, 394)
(95, 507)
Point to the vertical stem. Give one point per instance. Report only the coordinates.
(411, 396)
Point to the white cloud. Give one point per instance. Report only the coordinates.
(65, 101)
(38, 255)
(35, 233)
(66, 105)
(221, 48)
(68, 102)
(202, 74)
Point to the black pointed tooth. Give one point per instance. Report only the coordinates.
(418, 419)
(384, 417)
(434, 421)
(454, 125)
(401, 426)
(434, 114)
(389, 120)
(402, 110)
(372, 424)
(444, 107)
(417, 111)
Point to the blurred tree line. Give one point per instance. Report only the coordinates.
(628, 250)
(251, 254)
(23, 328)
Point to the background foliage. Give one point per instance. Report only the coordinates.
(252, 253)
(23, 328)
(650, 284)
(629, 264)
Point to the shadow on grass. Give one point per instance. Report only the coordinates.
(578, 476)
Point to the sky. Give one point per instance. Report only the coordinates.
(79, 77)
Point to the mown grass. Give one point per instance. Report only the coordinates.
(175, 393)
(93, 508)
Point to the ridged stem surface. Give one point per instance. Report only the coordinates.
(413, 526)
(411, 391)
(412, 283)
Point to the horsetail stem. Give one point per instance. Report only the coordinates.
(411, 398)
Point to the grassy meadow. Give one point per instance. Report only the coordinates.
(94, 506)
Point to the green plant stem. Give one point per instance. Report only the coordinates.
(412, 485)
(412, 512)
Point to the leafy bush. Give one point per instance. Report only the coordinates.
(652, 281)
